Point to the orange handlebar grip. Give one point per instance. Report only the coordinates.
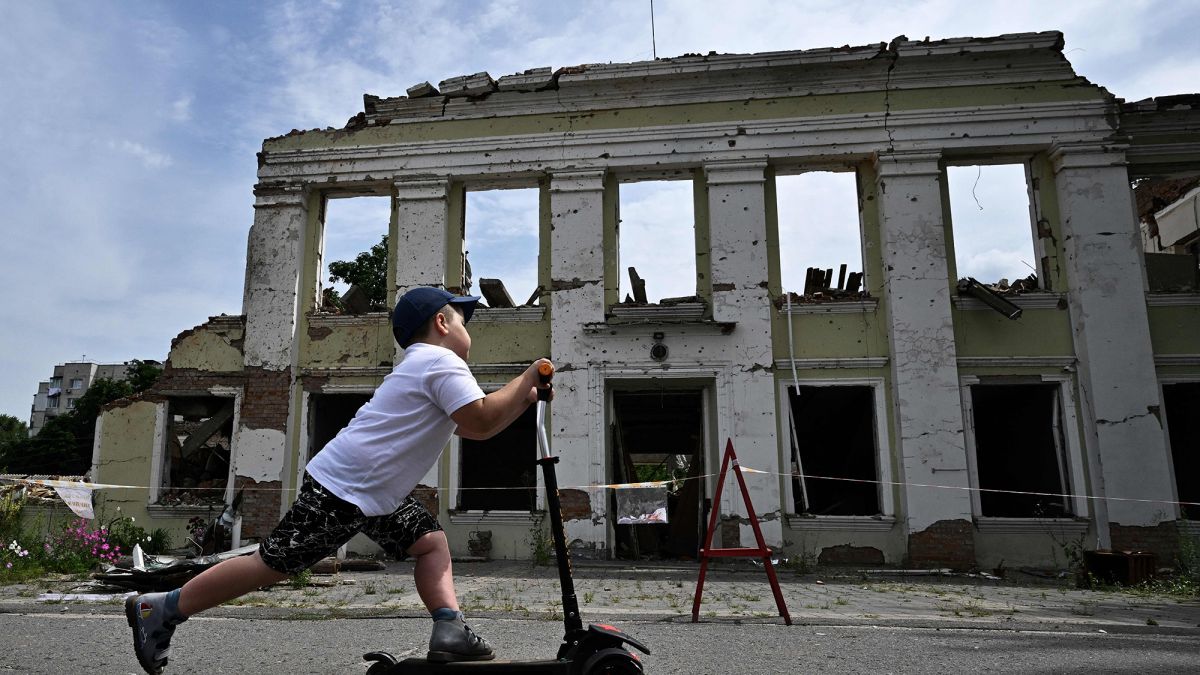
(545, 372)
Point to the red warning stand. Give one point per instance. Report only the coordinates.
(762, 552)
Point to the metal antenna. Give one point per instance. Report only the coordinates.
(653, 37)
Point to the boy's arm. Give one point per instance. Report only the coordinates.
(483, 418)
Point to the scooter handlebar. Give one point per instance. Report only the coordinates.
(545, 373)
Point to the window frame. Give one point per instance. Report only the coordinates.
(454, 483)
(1043, 248)
(1071, 459)
(883, 453)
(162, 424)
(1176, 511)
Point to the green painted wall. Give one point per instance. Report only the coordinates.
(1038, 332)
(1175, 330)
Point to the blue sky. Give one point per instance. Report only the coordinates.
(130, 128)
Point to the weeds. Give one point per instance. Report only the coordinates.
(301, 580)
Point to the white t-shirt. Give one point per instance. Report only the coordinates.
(393, 440)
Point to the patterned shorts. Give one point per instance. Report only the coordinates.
(319, 522)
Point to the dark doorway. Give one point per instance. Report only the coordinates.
(330, 414)
(659, 436)
(1182, 401)
(500, 474)
(1018, 449)
(835, 433)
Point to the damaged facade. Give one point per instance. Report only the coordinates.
(888, 375)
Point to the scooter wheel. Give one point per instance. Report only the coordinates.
(612, 661)
(378, 668)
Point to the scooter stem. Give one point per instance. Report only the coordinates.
(571, 620)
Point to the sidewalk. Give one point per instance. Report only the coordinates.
(623, 591)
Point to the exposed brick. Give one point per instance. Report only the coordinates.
(265, 403)
(428, 497)
(946, 543)
(1161, 540)
(730, 534)
(576, 505)
(260, 508)
(845, 554)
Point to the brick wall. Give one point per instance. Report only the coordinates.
(576, 505)
(428, 497)
(259, 508)
(946, 543)
(265, 402)
(1162, 540)
(845, 554)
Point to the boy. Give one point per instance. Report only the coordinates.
(361, 480)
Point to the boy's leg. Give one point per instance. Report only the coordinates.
(154, 616)
(411, 530)
(432, 572)
(316, 525)
(225, 581)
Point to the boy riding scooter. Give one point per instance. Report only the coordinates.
(361, 482)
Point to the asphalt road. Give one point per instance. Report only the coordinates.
(69, 641)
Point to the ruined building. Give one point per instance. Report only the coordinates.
(972, 438)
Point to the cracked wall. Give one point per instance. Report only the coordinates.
(894, 112)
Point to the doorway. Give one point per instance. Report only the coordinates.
(657, 436)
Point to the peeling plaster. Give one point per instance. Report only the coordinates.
(260, 454)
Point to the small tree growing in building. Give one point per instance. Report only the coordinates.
(368, 271)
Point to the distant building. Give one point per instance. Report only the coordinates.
(70, 380)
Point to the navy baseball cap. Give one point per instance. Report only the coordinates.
(419, 304)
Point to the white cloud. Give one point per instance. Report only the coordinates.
(149, 158)
(136, 253)
(181, 108)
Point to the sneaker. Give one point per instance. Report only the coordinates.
(453, 640)
(152, 629)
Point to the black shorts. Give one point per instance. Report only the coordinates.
(319, 522)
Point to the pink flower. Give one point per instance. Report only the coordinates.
(8, 566)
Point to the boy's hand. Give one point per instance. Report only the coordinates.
(533, 376)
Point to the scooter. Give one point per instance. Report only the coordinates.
(596, 650)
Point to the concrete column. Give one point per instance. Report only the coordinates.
(274, 263)
(422, 212)
(577, 298)
(738, 236)
(928, 430)
(273, 266)
(1119, 391)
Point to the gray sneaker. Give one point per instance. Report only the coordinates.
(152, 629)
(453, 640)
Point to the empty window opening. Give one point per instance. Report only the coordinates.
(835, 435)
(657, 242)
(993, 233)
(330, 413)
(1169, 215)
(659, 436)
(195, 461)
(354, 254)
(1181, 402)
(501, 246)
(500, 474)
(1019, 447)
(820, 238)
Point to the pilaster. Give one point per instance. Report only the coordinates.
(1123, 431)
(928, 416)
(577, 298)
(737, 213)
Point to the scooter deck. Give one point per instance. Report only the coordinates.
(415, 666)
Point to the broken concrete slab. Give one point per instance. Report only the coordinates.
(534, 79)
(467, 85)
(422, 90)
